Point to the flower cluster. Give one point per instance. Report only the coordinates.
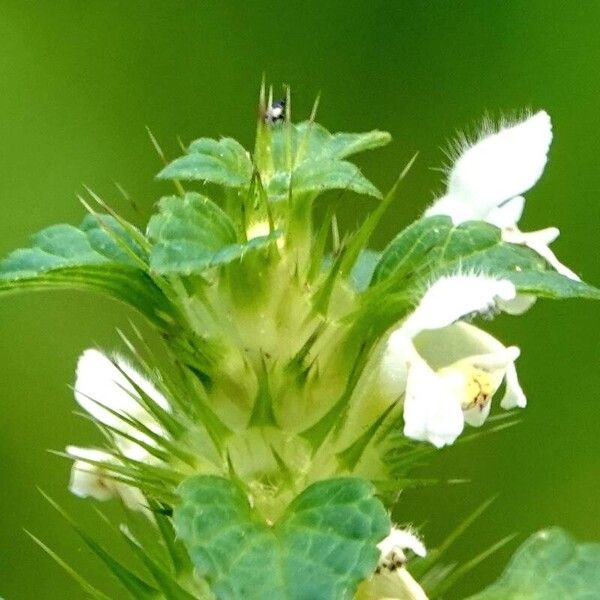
(301, 371)
(446, 369)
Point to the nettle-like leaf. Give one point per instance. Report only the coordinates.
(309, 159)
(310, 141)
(432, 247)
(315, 176)
(100, 254)
(223, 162)
(320, 549)
(192, 234)
(550, 564)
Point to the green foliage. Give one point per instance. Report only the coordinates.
(192, 234)
(168, 569)
(98, 241)
(320, 549)
(550, 564)
(317, 176)
(363, 269)
(100, 255)
(306, 158)
(223, 162)
(308, 140)
(433, 247)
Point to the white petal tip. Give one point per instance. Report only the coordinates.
(512, 353)
(396, 542)
(500, 165)
(511, 401)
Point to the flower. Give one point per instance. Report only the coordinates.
(91, 480)
(392, 581)
(107, 391)
(393, 546)
(104, 387)
(447, 370)
(488, 178)
(440, 396)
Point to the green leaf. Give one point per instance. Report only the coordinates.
(358, 242)
(317, 176)
(192, 234)
(363, 269)
(188, 232)
(320, 549)
(409, 250)
(99, 255)
(550, 284)
(314, 157)
(550, 564)
(61, 246)
(432, 247)
(345, 144)
(311, 141)
(224, 162)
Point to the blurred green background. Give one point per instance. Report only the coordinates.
(81, 80)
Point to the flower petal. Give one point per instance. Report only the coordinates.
(87, 479)
(514, 395)
(452, 297)
(144, 384)
(508, 214)
(99, 383)
(494, 361)
(451, 344)
(539, 242)
(476, 416)
(393, 369)
(520, 304)
(431, 413)
(92, 481)
(399, 540)
(496, 168)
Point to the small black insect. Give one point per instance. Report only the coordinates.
(275, 113)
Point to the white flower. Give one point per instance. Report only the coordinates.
(393, 546)
(91, 480)
(487, 179)
(104, 389)
(448, 371)
(101, 385)
(453, 297)
(392, 581)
